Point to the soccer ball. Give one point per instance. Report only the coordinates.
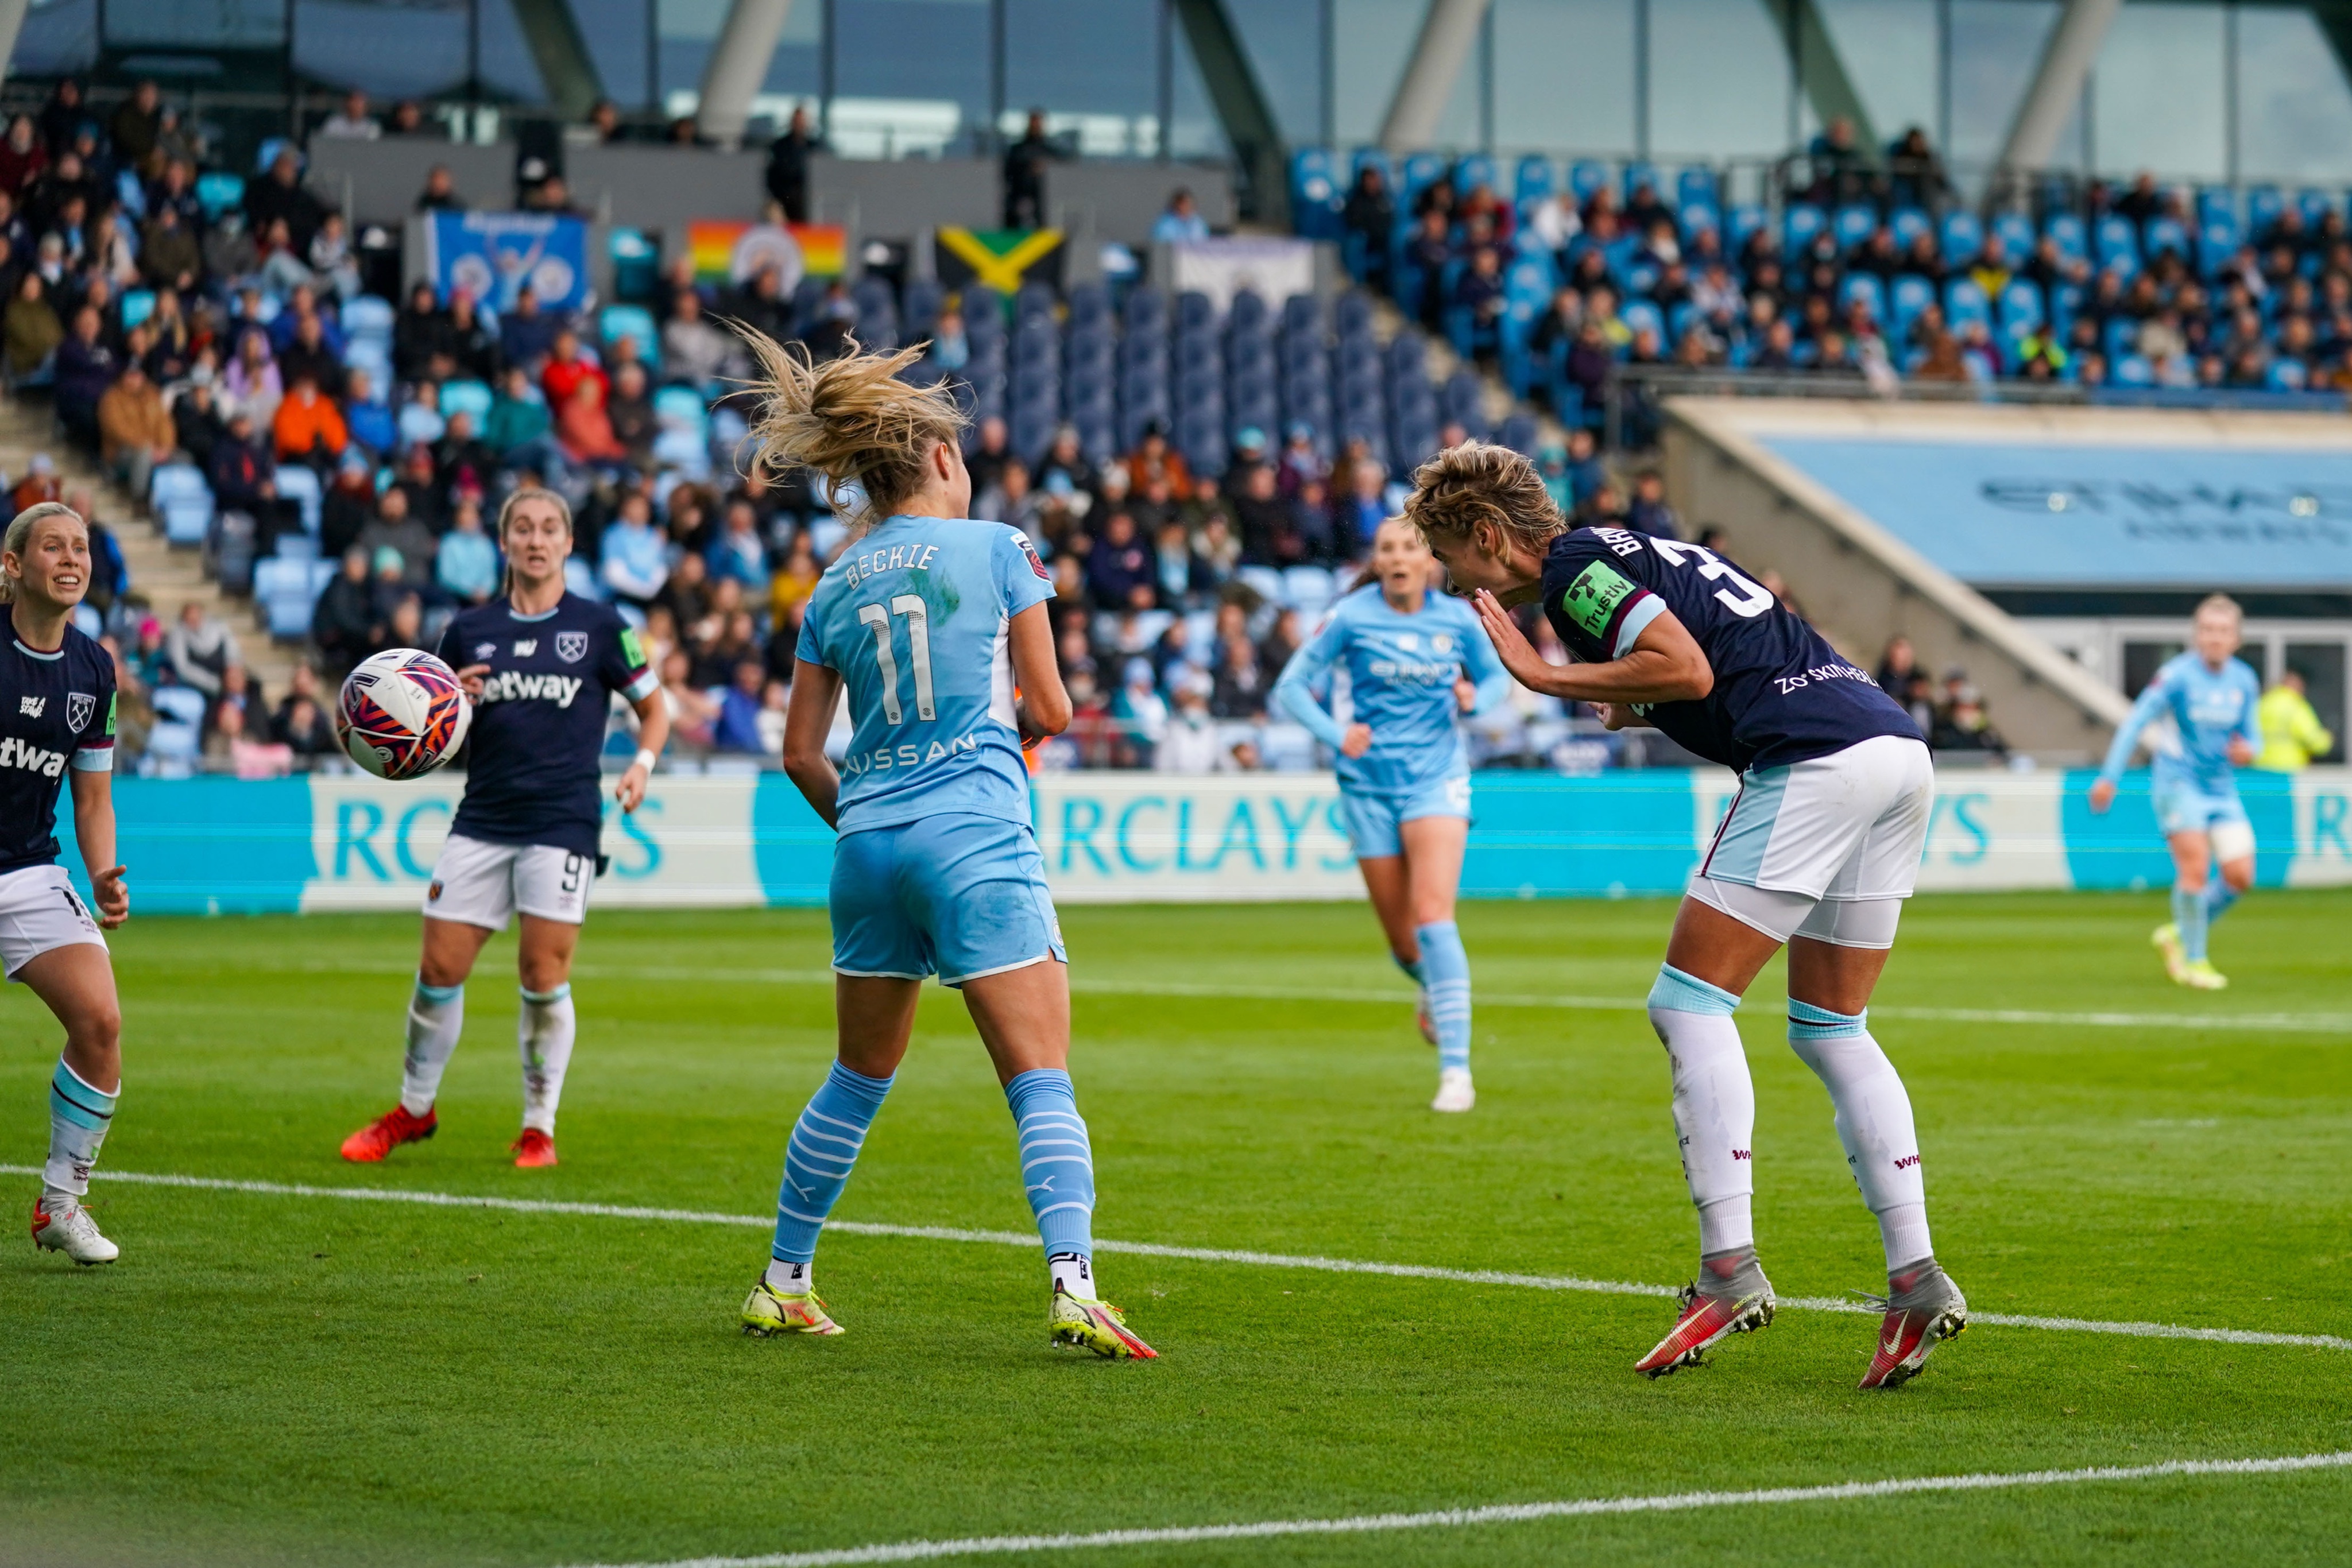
(402, 714)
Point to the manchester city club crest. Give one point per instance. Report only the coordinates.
(79, 705)
(572, 646)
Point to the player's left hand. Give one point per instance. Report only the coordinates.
(1466, 694)
(471, 679)
(631, 791)
(1518, 655)
(2241, 751)
(113, 898)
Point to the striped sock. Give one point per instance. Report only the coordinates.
(1057, 1168)
(79, 1118)
(2219, 896)
(1446, 964)
(2188, 916)
(818, 1157)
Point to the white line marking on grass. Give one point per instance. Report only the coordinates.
(1156, 1249)
(1082, 984)
(1510, 1514)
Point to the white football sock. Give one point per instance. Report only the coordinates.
(1073, 1275)
(1715, 1104)
(1873, 1122)
(544, 1034)
(436, 1015)
(79, 1115)
(791, 1279)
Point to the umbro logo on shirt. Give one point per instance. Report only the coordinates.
(525, 647)
(484, 650)
(30, 707)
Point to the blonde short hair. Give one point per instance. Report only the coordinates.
(1476, 483)
(2224, 604)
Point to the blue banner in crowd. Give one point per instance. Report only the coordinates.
(220, 846)
(491, 255)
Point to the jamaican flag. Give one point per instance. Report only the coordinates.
(1003, 259)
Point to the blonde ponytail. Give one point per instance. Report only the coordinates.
(850, 418)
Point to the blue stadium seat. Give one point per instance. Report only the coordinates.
(475, 398)
(1520, 432)
(2015, 232)
(1746, 219)
(2217, 203)
(1421, 171)
(296, 483)
(2021, 304)
(1700, 218)
(2131, 370)
(2118, 243)
(1696, 183)
(1533, 179)
(2163, 234)
(1864, 289)
(2264, 204)
(1365, 158)
(1911, 295)
(1315, 197)
(1964, 301)
(1642, 315)
(2287, 374)
(1474, 170)
(918, 307)
(1962, 237)
(2072, 238)
(2120, 335)
(1800, 224)
(218, 194)
(1585, 178)
(680, 406)
(367, 317)
(1907, 224)
(1853, 224)
(619, 321)
(1247, 313)
(1638, 174)
(2216, 242)
(2065, 304)
(2315, 204)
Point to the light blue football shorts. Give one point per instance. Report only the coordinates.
(956, 895)
(2185, 809)
(1375, 815)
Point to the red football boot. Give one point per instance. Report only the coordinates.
(1731, 1296)
(1923, 1308)
(533, 1149)
(387, 1132)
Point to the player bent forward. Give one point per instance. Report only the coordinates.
(57, 720)
(1818, 850)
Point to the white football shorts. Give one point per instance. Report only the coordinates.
(1828, 848)
(40, 910)
(481, 884)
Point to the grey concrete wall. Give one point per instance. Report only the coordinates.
(1862, 586)
(378, 181)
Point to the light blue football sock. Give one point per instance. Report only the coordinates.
(79, 1118)
(2188, 916)
(2219, 896)
(1446, 966)
(1058, 1168)
(817, 1160)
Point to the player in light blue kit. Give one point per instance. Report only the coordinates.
(935, 624)
(2208, 696)
(1416, 661)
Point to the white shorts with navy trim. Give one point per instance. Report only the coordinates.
(478, 883)
(40, 912)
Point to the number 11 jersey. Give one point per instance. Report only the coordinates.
(1781, 692)
(915, 616)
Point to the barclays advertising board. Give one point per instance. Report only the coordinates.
(2033, 515)
(220, 846)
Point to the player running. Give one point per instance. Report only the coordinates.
(1818, 852)
(2210, 695)
(936, 625)
(57, 718)
(540, 665)
(1404, 782)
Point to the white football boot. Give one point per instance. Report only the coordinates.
(1453, 1091)
(69, 1229)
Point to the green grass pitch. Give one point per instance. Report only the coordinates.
(271, 1379)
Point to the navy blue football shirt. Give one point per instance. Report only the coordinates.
(532, 774)
(56, 710)
(1781, 694)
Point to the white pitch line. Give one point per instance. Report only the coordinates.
(1156, 1249)
(1508, 1513)
(1084, 984)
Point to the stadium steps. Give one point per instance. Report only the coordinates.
(166, 577)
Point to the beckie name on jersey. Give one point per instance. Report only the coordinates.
(897, 558)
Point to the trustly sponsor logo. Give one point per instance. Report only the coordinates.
(14, 753)
(79, 705)
(572, 646)
(512, 686)
(30, 707)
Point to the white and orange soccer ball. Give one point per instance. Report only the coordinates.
(402, 714)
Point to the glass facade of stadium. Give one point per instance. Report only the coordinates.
(2208, 92)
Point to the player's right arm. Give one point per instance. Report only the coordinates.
(808, 720)
(2144, 713)
(1044, 708)
(1294, 692)
(1665, 664)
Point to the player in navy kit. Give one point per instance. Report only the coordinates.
(57, 720)
(541, 665)
(1818, 852)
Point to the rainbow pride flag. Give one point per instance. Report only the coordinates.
(727, 250)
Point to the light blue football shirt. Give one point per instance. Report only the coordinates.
(915, 616)
(1402, 667)
(2206, 708)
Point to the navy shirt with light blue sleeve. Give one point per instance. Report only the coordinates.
(56, 711)
(1401, 666)
(916, 618)
(1781, 692)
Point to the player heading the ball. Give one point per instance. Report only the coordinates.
(542, 666)
(57, 721)
(1819, 850)
(934, 624)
